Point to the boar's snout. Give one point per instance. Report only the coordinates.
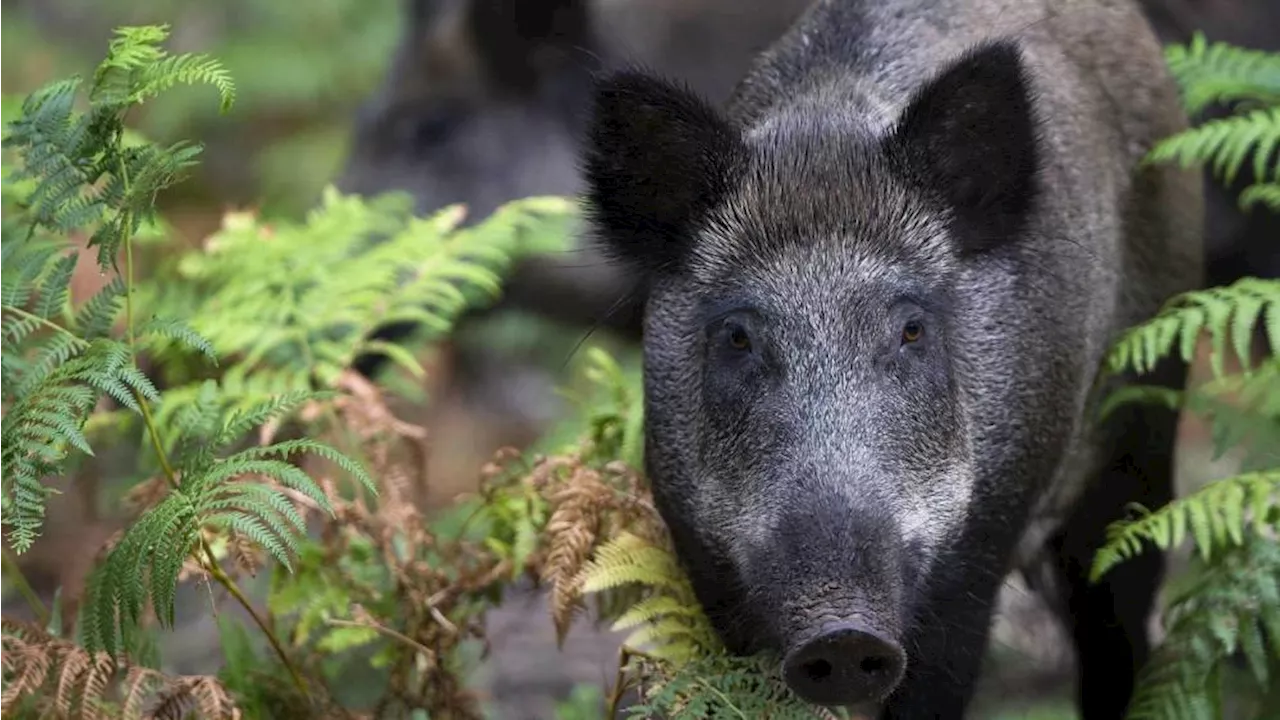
(844, 663)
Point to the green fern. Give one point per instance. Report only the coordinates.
(222, 494)
(671, 624)
(138, 69)
(1231, 605)
(1216, 515)
(1220, 73)
(289, 306)
(1227, 314)
(1230, 602)
(1225, 143)
(1267, 194)
(86, 175)
(74, 173)
(1212, 73)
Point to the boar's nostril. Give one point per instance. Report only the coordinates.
(844, 664)
(873, 664)
(817, 670)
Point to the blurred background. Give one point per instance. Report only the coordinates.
(479, 102)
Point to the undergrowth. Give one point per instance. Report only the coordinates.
(1226, 608)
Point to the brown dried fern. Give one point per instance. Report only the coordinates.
(58, 678)
(571, 534)
(589, 504)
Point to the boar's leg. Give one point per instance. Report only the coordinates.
(1108, 619)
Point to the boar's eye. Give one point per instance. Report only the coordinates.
(425, 128)
(738, 338)
(912, 331)
(432, 128)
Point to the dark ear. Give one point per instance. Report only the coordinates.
(522, 41)
(656, 158)
(514, 44)
(969, 137)
(420, 13)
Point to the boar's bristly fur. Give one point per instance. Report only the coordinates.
(880, 284)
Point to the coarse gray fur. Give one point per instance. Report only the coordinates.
(827, 476)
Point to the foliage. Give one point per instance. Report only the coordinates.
(301, 72)
(293, 304)
(76, 175)
(1229, 603)
(236, 471)
(1250, 80)
(53, 676)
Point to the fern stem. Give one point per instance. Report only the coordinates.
(46, 323)
(154, 434)
(126, 223)
(211, 564)
(24, 588)
(384, 630)
(620, 684)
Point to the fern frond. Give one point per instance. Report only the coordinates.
(236, 494)
(23, 265)
(1228, 606)
(56, 286)
(280, 309)
(670, 618)
(242, 421)
(1227, 313)
(629, 558)
(152, 547)
(179, 332)
(650, 609)
(1216, 515)
(46, 419)
(186, 70)
(1267, 194)
(137, 68)
(1224, 144)
(51, 676)
(1217, 72)
(96, 316)
(288, 448)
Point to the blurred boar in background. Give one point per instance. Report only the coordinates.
(484, 99)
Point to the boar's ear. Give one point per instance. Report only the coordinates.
(526, 42)
(656, 157)
(969, 137)
(515, 45)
